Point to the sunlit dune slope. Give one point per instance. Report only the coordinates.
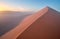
(10, 19)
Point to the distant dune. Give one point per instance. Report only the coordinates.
(10, 19)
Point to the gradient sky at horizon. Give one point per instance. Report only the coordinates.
(33, 5)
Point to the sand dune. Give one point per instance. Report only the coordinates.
(44, 24)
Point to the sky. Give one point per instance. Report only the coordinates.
(28, 5)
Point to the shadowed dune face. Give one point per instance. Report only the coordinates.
(45, 27)
(9, 20)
